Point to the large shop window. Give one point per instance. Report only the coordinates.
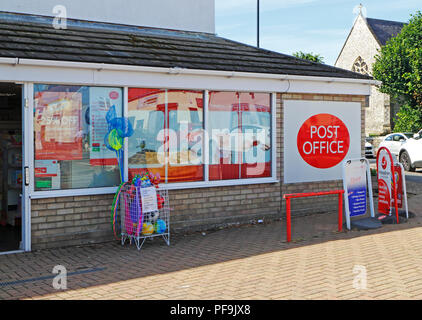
(170, 134)
(69, 130)
(240, 135)
(168, 126)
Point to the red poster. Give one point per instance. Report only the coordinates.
(399, 185)
(383, 197)
(57, 126)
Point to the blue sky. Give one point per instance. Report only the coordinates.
(318, 26)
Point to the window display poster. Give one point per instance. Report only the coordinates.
(46, 168)
(100, 101)
(57, 125)
(47, 174)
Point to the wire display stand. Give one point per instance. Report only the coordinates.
(136, 225)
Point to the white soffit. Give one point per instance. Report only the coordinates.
(65, 72)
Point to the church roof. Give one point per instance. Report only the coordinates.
(384, 30)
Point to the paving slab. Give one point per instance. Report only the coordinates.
(248, 262)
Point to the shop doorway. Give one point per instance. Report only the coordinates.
(11, 156)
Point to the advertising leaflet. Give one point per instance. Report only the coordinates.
(100, 101)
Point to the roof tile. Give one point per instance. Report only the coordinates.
(28, 36)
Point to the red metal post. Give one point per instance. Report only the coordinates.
(288, 220)
(340, 211)
(312, 194)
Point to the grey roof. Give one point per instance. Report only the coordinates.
(33, 37)
(383, 30)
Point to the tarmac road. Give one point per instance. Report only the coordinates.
(410, 176)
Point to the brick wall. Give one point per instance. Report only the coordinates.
(86, 219)
(305, 206)
(67, 221)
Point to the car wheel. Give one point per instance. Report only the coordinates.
(405, 161)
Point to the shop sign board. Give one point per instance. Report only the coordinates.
(318, 136)
(357, 183)
(387, 185)
(387, 194)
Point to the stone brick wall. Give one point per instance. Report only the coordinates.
(362, 43)
(86, 219)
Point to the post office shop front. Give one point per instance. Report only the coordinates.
(184, 94)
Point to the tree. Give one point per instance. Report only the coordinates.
(309, 56)
(399, 66)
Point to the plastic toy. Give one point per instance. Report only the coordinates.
(147, 229)
(160, 226)
(160, 201)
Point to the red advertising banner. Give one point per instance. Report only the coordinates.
(398, 172)
(57, 126)
(384, 169)
(387, 183)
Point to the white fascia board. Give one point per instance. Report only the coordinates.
(66, 72)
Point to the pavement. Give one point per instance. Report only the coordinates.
(247, 262)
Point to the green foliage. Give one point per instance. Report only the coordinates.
(309, 56)
(399, 66)
(408, 119)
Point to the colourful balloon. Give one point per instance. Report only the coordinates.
(115, 140)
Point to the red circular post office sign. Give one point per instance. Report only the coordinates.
(113, 95)
(323, 141)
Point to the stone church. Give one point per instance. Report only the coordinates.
(358, 54)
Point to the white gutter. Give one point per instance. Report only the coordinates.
(176, 71)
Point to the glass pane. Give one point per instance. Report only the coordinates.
(70, 127)
(224, 128)
(185, 119)
(168, 127)
(240, 131)
(256, 129)
(146, 112)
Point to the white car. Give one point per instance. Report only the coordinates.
(394, 141)
(410, 154)
(369, 149)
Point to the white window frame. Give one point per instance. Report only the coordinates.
(67, 192)
(171, 186)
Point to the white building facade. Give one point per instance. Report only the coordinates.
(188, 15)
